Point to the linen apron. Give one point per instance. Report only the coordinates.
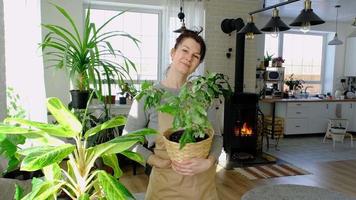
(166, 184)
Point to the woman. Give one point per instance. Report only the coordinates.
(189, 179)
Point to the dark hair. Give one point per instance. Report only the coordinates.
(195, 36)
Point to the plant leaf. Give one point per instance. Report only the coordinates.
(52, 172)
(134, 156)
(64, 116)
(48, 128)
(113, 189)
(111, 161)
(84, 196)
(42, 190)
(18, 192)
(117, 121)
(39, 158)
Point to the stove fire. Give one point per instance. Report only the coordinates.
(246, 130)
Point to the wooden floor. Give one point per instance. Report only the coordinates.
(335, 175)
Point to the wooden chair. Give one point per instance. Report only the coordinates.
(337, 130)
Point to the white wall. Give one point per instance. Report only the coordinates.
(56, 80)
(2, 65)
(218, 42)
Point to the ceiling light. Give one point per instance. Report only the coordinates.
(307, 18)
(336, 40)
(250, 29)
(181, 16)
(275, 24)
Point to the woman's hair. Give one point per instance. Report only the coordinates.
(195, 36)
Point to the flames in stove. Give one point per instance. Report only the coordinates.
(245, 130)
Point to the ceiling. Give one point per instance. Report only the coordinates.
(325, 9)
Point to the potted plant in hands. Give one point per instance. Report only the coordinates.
(79, 180)
(191, 134)
(86, 56)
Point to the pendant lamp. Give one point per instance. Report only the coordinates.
(250, 29)
(307, 18)
(181, 16)
(275, 24)
(336, 40)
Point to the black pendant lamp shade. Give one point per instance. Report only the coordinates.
(181, 16)
(250, 29)
(181, 29)
(275, 24)
(307, 16)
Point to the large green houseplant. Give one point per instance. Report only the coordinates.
(78, 179)
(189, 107)
(88, 56)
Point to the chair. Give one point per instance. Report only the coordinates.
(337, 130)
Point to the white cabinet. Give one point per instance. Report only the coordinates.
(350, 58)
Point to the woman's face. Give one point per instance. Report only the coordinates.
(186, 57)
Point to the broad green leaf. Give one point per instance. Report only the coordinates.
(84, 196)
(113, 189)
(52, 172)
(9, 129)
(48, 128)
(117, 121)
(111, 161)
(18, 192)
(63, 115)
(42, 190)
(141, 132)
(134, 156)
(2, 137)
(38, 159)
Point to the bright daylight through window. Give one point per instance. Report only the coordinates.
(303, 54)
(142, 26)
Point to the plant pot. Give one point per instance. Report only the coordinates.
(266, 63)
(190, 150)
(110, 99)
(122, 100)
(79, 99)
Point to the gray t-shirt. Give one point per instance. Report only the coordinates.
(139, 118)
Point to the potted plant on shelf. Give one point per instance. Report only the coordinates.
(277, 62)
(79, 179)
(266, 59)
(191, 134)
(294, 84)
(86, 56)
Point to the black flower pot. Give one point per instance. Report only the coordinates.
(79, 99)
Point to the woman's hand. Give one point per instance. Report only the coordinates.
(193, 166)
(158, 162)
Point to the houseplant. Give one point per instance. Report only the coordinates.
(79, 180)
(277, 62)
(266, 59)
(294, 84)
(188, 110)
(86, 56)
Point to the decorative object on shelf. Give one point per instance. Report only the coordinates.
(336, 40)
(277, 62)
(266, 59)
(294, 84)
(181, 16)
(305, 19)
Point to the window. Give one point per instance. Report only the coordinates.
(141, 24)
(303, 54)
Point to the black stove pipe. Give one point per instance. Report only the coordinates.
(240, 57)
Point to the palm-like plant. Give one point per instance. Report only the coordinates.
(79, 180)
(86, 56)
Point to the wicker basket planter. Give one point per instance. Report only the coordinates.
(191, 150)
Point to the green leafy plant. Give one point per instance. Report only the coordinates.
(79, 179)
(86, 57)
(9, 143)
(294, 84)
(189, 107)
(267, 57)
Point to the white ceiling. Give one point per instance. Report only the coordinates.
(325, 9)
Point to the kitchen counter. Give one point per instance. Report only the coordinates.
(310, 99)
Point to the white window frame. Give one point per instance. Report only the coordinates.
(134, 8)
(297, 32)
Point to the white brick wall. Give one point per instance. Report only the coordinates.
(218, 42)
(2, 65)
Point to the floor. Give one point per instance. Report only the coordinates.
(334, 170)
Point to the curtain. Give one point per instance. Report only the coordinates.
(194, 11)
(23, 60)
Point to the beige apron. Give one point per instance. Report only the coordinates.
(167, 184)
